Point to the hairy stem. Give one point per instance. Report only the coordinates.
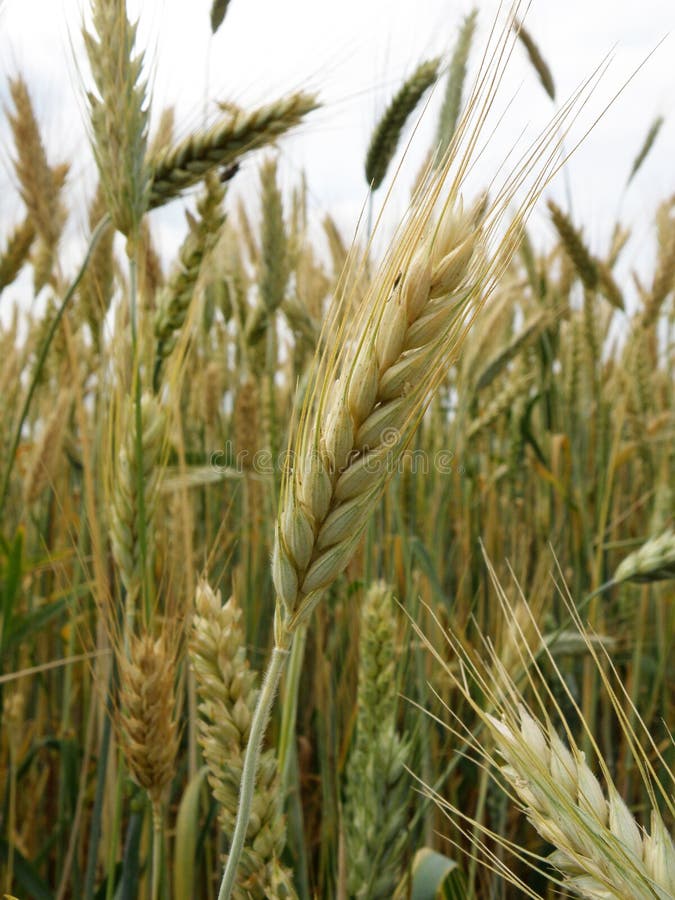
(257, 733)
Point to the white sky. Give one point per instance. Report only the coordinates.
(355, 54)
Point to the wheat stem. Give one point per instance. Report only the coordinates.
(156, 850)
(249, 771)
(290, 707)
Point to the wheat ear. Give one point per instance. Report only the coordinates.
(148, 725)
(377, 786)
(539, 64)
(654, 561)
(575, 247)
(452, 101)
(176, 296)
(274, 256)
(45, 459)
(218, 12)
(647, 145)
(226, 687)
(365, 408)
(179, 167)
(40, 185)
(385, 138)
(96, 288)
(39, 188)
(119, 114)
(16, 251)
(135, 494)
(601, 850)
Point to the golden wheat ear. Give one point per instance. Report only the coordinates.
(227, 691)
(148, 723)
(600, 848)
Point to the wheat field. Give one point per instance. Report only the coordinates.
(333, 565)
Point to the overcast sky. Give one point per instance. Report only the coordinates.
(355, 54)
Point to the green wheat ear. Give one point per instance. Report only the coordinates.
(452, 101)
(387, 133)
(377, 787)
(119, 114)
(535, 56)
(218, 13)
